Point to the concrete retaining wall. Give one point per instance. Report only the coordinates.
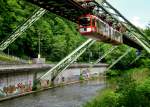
(19, 79)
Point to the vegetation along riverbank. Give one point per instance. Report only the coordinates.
(130, 89)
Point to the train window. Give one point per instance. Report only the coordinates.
(102, 26)
(84, 21)
(107, 30)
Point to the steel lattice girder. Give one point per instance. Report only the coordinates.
(33, 18)
(137, 35)
(72, 9)
(66, 8)
(117, 60)
(64, 63)
(108, 52)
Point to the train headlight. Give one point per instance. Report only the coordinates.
(89, 29)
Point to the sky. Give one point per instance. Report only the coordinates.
(136, 11)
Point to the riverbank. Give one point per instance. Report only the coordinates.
(131, 89)
(73, 95)
(31, 92)
(20, 79)
(44, 89)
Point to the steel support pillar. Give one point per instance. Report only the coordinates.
(116, 61)
(64, 63)
(108, 52)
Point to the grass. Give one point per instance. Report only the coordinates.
(123, 95)
(7, 59)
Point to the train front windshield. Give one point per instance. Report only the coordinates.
(84, 21)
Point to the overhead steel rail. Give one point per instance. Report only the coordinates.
(134, 34)
(63, 8)
(39, 12)
(128, 41)
(133, 31)
(72, 9)
(109, 6)
(100, 8)
(67, 61)
(68, 9)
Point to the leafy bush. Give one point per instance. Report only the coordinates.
(130, 91)
(130, 97)
(107, 99)
(144, 89)
(113, 73)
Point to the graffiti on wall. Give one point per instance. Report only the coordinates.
(85, 73)
(17, 88)
(44, 83)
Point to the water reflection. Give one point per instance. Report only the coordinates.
(68, 96)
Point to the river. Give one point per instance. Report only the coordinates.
(74, 95)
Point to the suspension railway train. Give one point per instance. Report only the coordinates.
(93, 27)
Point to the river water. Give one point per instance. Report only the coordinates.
(74, 95)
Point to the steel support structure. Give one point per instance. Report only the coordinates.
(64, 63)
(137, 58)
(73, 9)
(135, 34)
(65, 10)
(125, 20)
(39, 12)
(69, 9)
(116, 61)
(146, 47)
(108, 52)
(105, 8)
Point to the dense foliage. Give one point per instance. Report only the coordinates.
(58, 36)
(131, 90)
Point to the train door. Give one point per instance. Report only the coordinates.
(93, 24)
